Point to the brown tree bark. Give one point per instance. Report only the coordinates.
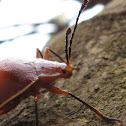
(99, 49)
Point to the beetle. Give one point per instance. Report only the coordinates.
(21, 78)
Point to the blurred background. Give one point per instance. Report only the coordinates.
(29, 24)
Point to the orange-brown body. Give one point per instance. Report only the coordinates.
(16, 75)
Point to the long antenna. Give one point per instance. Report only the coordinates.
(84, 5)
(36, 109)
(66, 46)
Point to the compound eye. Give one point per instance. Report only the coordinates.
(64, 71)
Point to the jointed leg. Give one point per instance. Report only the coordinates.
(46, 53)
(8, 108)
(36, 109)
(96, 111)
(56, 90)
(60, 91)
(38, 54)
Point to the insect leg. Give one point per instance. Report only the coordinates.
(36, 109)
(60, 91)
(38, 54)
(56, 90)
(8, 107)
(46, 53)
(96, 111)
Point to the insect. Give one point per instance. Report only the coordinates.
(21, 78)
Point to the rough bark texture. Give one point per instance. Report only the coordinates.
(99, 49)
